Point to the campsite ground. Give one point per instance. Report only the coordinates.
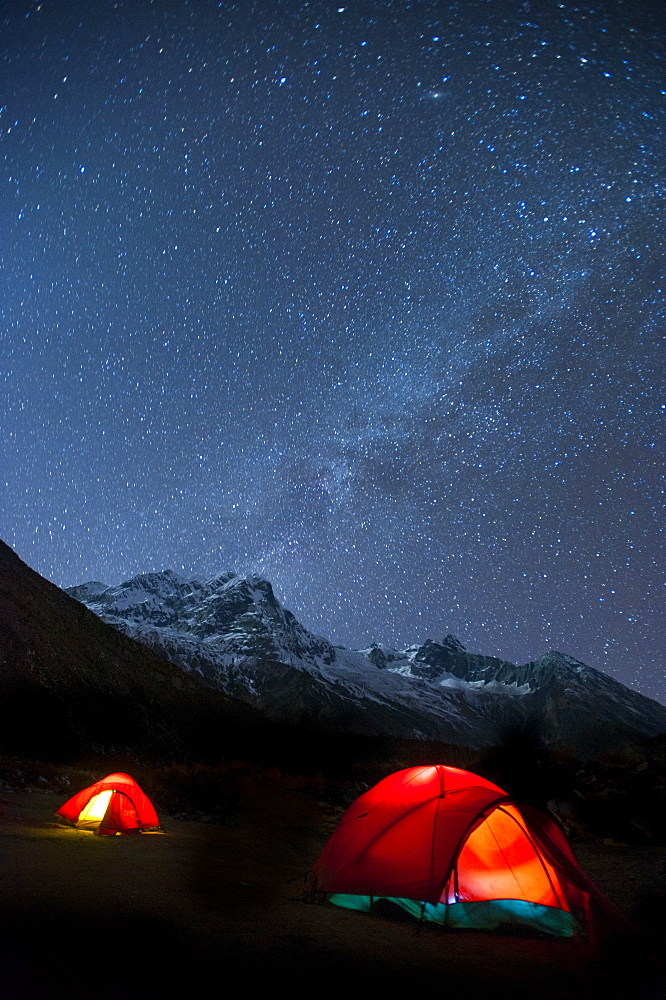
(211, 908)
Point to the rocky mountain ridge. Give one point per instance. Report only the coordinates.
(235, 635)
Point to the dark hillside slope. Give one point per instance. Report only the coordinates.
(70, 683)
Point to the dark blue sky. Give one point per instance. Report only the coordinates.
(366, 297)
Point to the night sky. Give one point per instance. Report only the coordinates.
(365, 297)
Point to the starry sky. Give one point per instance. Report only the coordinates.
(365, 297)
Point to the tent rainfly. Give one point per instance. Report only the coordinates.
(451, 847)
(111, 806)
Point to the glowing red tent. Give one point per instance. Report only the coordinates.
(451, 847)
(111, 806)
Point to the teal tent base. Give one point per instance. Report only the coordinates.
(488, 915)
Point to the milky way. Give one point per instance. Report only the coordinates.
(366, 298)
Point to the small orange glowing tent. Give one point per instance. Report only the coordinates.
(451, 847)
(111, 806)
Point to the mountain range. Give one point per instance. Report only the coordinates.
(231, 633)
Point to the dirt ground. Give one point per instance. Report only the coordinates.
(216, 909)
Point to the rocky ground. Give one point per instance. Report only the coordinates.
(213, 907)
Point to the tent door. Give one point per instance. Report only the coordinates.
(92, 814)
